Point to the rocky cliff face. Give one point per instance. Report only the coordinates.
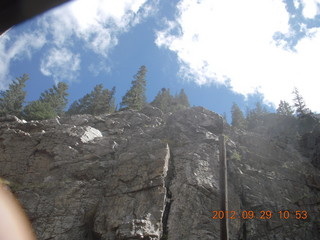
(146, 175)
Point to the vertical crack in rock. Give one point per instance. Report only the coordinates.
(168, 196)
(90, 233)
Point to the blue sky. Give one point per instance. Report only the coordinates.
(218, 51)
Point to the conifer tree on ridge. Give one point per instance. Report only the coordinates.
(284, 109)
(237, 118)
(51, 103)
(11, 100)
(299, 104)
(135, 98)
(96, 102)
(56, 97)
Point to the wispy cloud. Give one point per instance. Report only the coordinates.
(97, 23)
(235, 43)
(61, 64)
(98, 67)
(93, 25)
(17, 48)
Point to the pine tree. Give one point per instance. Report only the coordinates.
(168, 103)
(237, 117)
(254, 116)
(285, 109)
(38, 110)
(96, 102)
(163, 100)
(135, 98)
(11, 100)
(103, 100)
(81, 106)
(51, 103)
(56, 97)
(182, 99)
(299, 104)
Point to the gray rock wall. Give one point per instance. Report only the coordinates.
(146, 175)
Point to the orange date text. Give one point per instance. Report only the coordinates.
(263, 215)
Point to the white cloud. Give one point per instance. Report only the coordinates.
(94, 25)
(232, 42)
(16, 48)
(97, 22)
(296, 3)
(61, 64)
(97, 68)
(311, 8)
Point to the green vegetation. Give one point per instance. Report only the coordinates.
(168, 103)
(182, 99)
(38, 110)
(97, 102)
(299, 104)
(11, 100)
(135, 98)
(285, 109)
(238, 120)
(52, 102)
(254, 116)
(252, 119)
(235, 156)
(56, 97)
(297, 118)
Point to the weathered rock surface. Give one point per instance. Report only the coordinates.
(149, 175)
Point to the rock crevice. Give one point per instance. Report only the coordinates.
(168, 197)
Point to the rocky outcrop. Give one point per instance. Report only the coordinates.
(149, 175)
(310, 145)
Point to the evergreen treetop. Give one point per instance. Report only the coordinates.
(11, 100)
(135, 98)
(284, 109)
(299, 104)
(253, 117)
(51, 103)
(167, 103)
(163, 100)
(237, 118)
(38, 110)
(56, 97)
(182, 98)
(96, 102)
